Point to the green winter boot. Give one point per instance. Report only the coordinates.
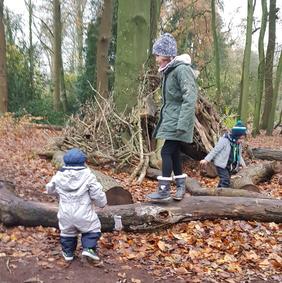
(163, 192)
(180, 186)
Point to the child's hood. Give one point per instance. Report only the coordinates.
(72, 180)
(181, 59)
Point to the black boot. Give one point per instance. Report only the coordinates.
(163, 192)
(180, 186)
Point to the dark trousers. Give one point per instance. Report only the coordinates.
(171, 158)
(88, 240)
(224, 177)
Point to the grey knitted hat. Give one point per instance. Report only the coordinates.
(165, 45)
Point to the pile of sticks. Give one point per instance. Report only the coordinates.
(106, 137)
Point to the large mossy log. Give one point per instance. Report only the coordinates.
(143, 216)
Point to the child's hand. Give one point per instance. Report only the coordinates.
(203, 162)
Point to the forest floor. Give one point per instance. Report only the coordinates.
(198, 251)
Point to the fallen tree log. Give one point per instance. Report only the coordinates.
(265, 153)
(143, 216)
(194, 188)
(247, 178)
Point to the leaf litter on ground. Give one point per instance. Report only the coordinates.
(226, 250)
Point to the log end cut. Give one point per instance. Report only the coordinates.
(118, 196)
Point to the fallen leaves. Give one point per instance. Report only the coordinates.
(226, 250)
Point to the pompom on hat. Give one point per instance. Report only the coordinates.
(239, 129)
(74, 157)
(165, 45)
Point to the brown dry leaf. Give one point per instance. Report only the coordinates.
(122, 275)
(181, 270)
(234, 267)
(276, 260)
(131, 256)
(161, 245)
(264, 263)
(251, 255)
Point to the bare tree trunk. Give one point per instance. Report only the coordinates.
(216, 51)
(30, 50)
(271, 118)
(269, 64)
(57, 53)
(243, 110)
(3, 74)
(133, 42)
(105, 33)
(80, 6)
(63, 92)
(261, 70)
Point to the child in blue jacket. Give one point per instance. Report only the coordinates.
(227, 154)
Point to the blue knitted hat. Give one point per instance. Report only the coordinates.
(239, 129)
(74, 157)
(165, 45)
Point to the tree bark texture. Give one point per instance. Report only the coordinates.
(216, 51)
(3, 73)
(243, 107)
(143, 217)
(103, 44)
(248, 177)
(271, 119)
(57, 53)
(133, 44)
(265, 153)
(269, 64)
(261, 70)
(80, 6)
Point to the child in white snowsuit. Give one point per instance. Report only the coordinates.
(227, 154)
(77, 188)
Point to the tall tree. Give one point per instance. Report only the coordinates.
(59, 84)
(243, 107)
(261, 69)
(30, 49)
(269, 63)
(3, 74)
(103, 48)
(57, 53)
(271, 118)
(216, 51)
(133, 45)
(80, 7)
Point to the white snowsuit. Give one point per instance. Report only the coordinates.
(77, 187)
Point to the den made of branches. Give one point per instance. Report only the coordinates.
(124, 140)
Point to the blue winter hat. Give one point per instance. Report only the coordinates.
(239, 129)
(165, 45)
(74, 157)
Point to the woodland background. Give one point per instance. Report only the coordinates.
(50, 64)
(82, 70)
